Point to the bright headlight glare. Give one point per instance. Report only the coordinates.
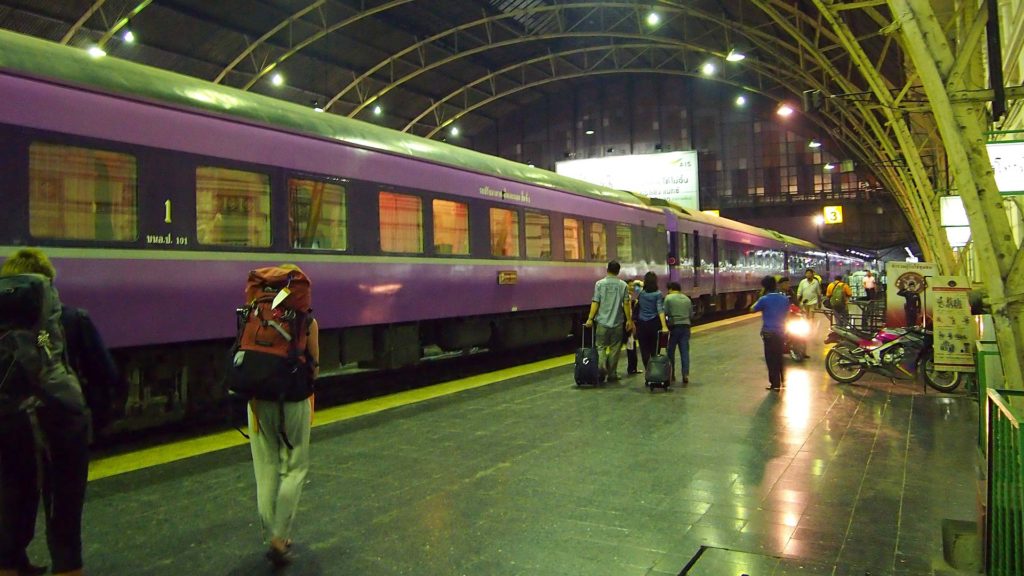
(798, 327)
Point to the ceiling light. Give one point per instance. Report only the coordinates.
(829, 166)
(96, 52)
(708, 68)
(814, 144)
(741, 100)
(377, 110)
(589, 132)
(455, 131)
(277, 79)
(735, 56)
(784, 110)
(653, 19)
(128, 36)
(819, 220)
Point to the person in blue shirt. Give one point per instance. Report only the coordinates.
(650, 317)
(774, 307)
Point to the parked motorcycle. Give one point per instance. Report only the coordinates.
(898, 353)
(798, 330)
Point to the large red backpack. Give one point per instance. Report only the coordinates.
(268, 360)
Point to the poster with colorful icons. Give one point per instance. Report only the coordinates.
(953, 326)
(906, 303)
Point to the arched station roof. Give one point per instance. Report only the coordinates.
(903, 86)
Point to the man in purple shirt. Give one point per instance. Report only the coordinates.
(774, 308)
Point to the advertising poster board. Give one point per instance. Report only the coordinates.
(905, 297)
(953, 326)
(668, 175)
(1007, 166)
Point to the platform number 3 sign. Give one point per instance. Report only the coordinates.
(833, 214)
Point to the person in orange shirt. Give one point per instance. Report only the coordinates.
(838, 295)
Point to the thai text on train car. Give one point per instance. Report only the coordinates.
(523, 197)
(166, 240)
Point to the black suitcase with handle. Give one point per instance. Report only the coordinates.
(588, 372)
(658, 371)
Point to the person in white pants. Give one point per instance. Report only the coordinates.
(280, 459)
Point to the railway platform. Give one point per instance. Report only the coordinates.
(531, 475)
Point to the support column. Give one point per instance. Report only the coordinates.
(961, 126)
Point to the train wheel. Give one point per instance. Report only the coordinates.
(698, 308)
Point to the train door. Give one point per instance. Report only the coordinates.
(684, 252)
(714, 266)
(672, 258)
(644, 259)
(697, 276)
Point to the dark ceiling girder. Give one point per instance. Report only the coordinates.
(368, 75)
(188, 11)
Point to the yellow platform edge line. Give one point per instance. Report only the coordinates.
(180, 450)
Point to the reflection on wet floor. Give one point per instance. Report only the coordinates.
(534, 476)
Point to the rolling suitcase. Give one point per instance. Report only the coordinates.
(588, 372)
(659, 369)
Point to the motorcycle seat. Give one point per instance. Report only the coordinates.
(865, 334)
(853, 332)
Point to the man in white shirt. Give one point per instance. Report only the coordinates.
(808, 293)
(869, 285)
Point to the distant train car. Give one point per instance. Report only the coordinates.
(156, 193)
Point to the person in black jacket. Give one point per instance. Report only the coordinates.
(59, 473)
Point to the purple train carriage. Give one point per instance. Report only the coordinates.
(156, 193)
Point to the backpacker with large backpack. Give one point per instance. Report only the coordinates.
(34, 370)
(268, 359)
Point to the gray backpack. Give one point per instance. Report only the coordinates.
(33, 365)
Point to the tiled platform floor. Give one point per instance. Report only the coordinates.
(535, 477)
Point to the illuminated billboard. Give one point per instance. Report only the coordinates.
(668, 175)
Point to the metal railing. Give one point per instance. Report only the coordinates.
(1004, 522)
(863, 315)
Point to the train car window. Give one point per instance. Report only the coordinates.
(685, 253)
(598, 241)
(538, 235)
(504, 232)
(573, 239)
(317, 214)
(401, 223)
(451, 227)
(82, 194)
(623, 243)
(232, 207)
